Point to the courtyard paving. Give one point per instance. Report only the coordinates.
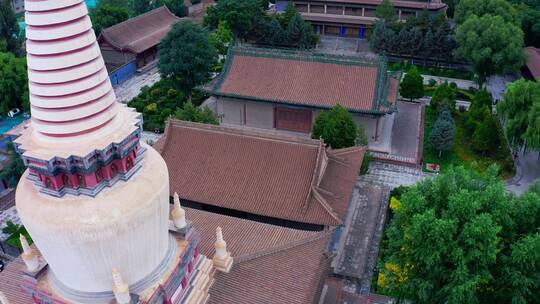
(344, 46)
(406, 129)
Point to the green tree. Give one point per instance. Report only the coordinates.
(288, 15)
(175, 6)
(14, 231)
(275, 34)
(187, 56)
(475, 115)
(9, 28)
(243, 16)
(444, 95)
(139, 7)
(190, 112)
(105, 16)
(532, 135)
(412, 85)
(515, 108)
(386, 12)
(530, 24)
(13, 83)
(502, 8)
(461, 238)
(443, 133)
(295, 30)
(492, 45)
(336, 127)
(157, 103)
(221, 38)
(486, 136)
(14, 170)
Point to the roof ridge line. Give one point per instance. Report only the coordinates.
(322, 201)
(284, 247)
(242, 132)
(314, 178)
(130, 20)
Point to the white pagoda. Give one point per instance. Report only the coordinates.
(95, 200)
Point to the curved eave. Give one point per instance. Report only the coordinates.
(291, 103)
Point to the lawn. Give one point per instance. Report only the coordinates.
(462, 153)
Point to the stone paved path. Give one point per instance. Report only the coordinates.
(364, 227)
(132, 87)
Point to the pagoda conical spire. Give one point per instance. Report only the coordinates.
(120, 288)
(222, 258)
(29, 256)
(178, 213)
(70, 90)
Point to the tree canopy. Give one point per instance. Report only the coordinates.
(187, 56)
(13, 83)
(491, 44)
(190, 112)
(248, 21)
(520, 109)
(501, 8)
(386, 11)
(336, 127)
(427, 36)
(412, 85)
(9, 28)
(221, 38)
(105, 16)
(140, 7)
(443, 133)
(243, 16)
(14, 170)
(461, 238)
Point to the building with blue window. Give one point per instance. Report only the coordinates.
(354, 18)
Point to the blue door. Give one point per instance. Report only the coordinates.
(342, 31)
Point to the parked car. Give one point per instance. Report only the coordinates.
(14, 112)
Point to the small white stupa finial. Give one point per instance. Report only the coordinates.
(222, 259)
(120, 288)
(29, 256)
(3, 298)
(178, 214)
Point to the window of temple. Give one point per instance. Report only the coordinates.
(66, 181)
(81, 180)
(99, 175)
(114, 170)
(48, 183)
(129, 163)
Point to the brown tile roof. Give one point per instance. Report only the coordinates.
(140, 33)
(11, 280)
(271, 264)
(258, 173)
(292, 261)
(303, 78)
(533, 61)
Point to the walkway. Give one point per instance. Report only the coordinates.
(358, 248)
(407, 136)
(128, 90)
(527, 171)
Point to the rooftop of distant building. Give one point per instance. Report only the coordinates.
(305, 78)
(140, 33)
